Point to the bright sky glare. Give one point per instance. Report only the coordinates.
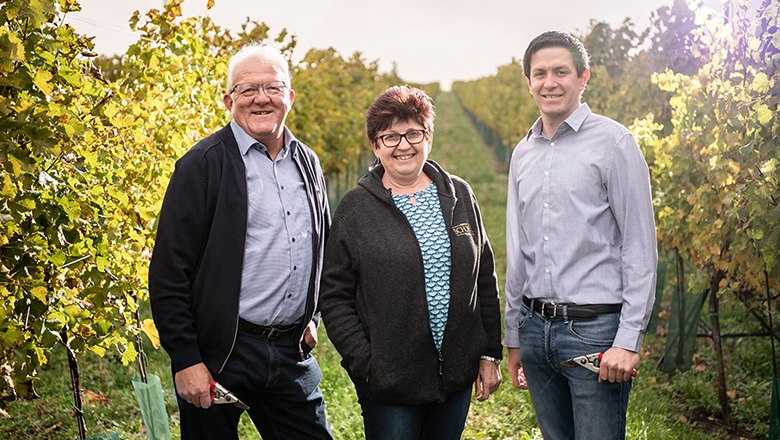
(428, 40)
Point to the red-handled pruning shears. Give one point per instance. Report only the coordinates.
(589, 361)
(221, 395)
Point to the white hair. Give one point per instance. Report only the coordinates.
(265, 54)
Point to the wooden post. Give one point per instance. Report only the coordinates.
(74, 382)
(715, 279)
(681, 310)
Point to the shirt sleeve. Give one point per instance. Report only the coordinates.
(515, 270)
(338, 301)
(487, 288)
(628, 190)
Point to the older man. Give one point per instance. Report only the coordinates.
(581, 251)
(234, 276)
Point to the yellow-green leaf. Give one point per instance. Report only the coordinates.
(39, 293)
(129, 355)
(42, 81)
(763, 113)
(57, 258)
(150, 330)
(760, 83)
(769, 166)
(8, 189)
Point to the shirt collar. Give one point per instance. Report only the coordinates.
(245, 141)
(575, 121)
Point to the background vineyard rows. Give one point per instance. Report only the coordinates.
(89, 143)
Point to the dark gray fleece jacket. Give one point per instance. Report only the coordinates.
(373, 298)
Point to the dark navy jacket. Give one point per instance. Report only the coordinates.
(195, 272)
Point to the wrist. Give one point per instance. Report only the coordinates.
(489, 359)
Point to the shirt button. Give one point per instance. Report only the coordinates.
(546, 173)
(293, 240)
(546, 205)
(289, 296)
(288, 212)
(546, 270)
(552, 144)
(546, 238)
(282, 187)
(295, 267)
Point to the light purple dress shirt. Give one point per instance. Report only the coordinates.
(580, 224)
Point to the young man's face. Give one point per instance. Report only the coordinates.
(554, 84)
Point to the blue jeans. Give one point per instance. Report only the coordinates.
(569, 402)
(282, 391)
(444, 420)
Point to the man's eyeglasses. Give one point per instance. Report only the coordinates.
(249, 90)
(414, 137)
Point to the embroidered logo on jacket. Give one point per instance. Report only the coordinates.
(462, 229)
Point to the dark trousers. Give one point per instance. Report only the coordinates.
(440, 421)
(281, 390)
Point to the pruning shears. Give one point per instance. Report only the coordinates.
(221, 395)
(589, 361)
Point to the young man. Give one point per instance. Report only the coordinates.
(234, 276)
(581, 251)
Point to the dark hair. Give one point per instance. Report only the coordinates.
(399, 103)
(557, 39)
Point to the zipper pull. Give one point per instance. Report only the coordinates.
(441, 362)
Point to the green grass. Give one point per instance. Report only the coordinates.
(661, 407)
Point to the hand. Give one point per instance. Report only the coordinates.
(488, 379)
(192, 384)
(617, 364)
(516, 369)
(310, 335)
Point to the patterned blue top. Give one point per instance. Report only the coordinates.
(428, 224)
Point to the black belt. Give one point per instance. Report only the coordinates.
(267, 332)
(569, 311)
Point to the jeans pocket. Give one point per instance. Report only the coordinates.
(523, 316)
(599, 331)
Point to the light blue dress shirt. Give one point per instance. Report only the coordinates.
(278, 249)
(580, 224)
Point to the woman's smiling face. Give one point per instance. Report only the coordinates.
(404, 162)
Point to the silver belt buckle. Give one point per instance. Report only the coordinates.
(554, 313)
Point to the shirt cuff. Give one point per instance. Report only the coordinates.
(511, 338)
(628, 339)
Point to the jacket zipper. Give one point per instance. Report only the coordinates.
(310, 183)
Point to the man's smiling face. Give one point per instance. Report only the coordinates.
(262, 116)
(554, 84)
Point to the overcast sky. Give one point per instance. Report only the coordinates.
(429, 40)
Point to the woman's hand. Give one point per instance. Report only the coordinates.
(488, 379)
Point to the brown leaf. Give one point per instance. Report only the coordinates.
(95, 397)
(732, 393)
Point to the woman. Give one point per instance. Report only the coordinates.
(409, 294)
